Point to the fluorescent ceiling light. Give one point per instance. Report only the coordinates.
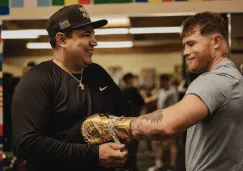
(33, 34)
(11, 34)
(114, 21)
(109, 31)
(139, 30)
(151, 30)
(23, 34)
(122, 44)
(38, 46)
(19, 34)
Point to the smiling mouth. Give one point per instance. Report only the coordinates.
(190, 59)
(90, 50)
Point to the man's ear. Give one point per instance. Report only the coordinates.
(217, 41)
(61, 39)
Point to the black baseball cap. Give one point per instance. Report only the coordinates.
(71, 17)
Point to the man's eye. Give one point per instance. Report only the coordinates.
(190, 44)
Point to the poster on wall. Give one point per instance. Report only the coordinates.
(148, 77)
(116, 74)
(178, 72)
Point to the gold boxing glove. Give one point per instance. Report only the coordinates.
(101, 128)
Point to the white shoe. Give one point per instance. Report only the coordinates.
(153, 168)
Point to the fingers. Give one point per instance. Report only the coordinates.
(112, 155)
(117, 146)
(119, 152)
(118, 155)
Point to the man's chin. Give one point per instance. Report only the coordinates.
(87, 63)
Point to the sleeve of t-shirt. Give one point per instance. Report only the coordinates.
(214, 90)
(31, 115)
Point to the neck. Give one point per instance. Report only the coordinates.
(219, 58)
(61, 60)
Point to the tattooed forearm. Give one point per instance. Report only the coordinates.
(155, 117)
(157, 125)
(148, 126)
(153, 135)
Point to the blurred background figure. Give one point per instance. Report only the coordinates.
(131, 91)
(28, 66)
(132, 94)
(167, 95)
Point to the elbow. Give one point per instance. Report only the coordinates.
(171, 132)
(174, 129)
(23, 148)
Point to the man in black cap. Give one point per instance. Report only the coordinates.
(55, 97)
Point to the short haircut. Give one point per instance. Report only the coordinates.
(207, 23)
(164, 77)
(128, 77)
(53, 41)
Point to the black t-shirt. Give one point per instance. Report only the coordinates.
(135, 99)
(48, 109)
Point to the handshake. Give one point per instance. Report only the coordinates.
(101, 128)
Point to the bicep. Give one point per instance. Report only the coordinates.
(30, 110)
(189, 111)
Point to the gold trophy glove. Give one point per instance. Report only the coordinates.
(101, 128)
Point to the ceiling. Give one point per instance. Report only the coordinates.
(143, 43)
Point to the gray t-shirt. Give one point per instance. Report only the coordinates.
(216, 143)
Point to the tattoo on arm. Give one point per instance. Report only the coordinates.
(155, 117)
(142, 132)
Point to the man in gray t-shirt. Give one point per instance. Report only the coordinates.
(211, 110)
(214, 143)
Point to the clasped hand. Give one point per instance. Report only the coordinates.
(112, 155)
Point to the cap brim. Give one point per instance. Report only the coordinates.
(94, 24)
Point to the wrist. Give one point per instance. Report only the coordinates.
(123, 127)
(133, 127)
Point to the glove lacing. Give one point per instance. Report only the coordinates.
(112, 129)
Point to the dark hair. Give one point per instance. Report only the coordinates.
(67, 33)
(207, 22)
(164, 77)
(175, 83)
(31, 64)
(127, 77)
